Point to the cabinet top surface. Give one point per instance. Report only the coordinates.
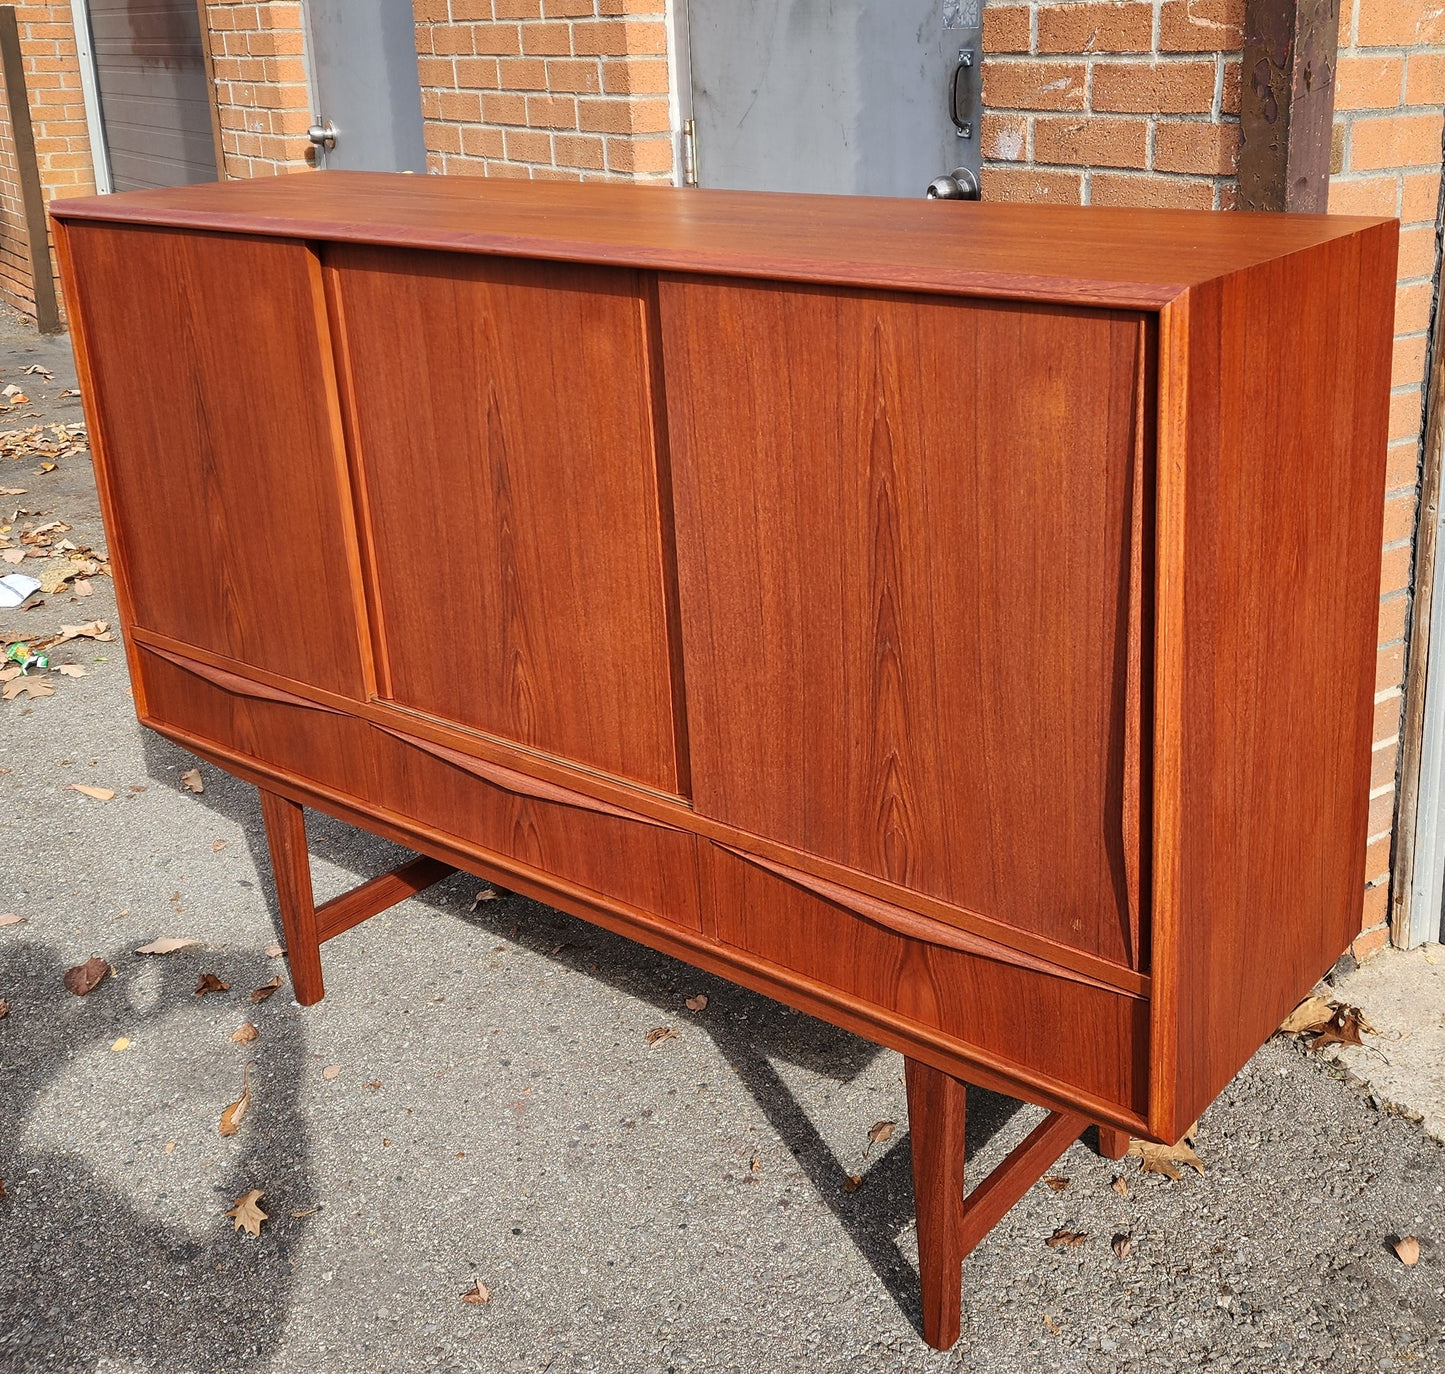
(1130, 258)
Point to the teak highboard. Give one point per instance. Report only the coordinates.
(957, 621)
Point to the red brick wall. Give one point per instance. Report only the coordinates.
(1112, 102)
(258, 56)
(545, 88)
(1389, 103)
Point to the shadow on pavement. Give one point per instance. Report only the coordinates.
(88, 1275)
(758, 1034)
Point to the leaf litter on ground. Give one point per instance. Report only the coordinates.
(84, 978)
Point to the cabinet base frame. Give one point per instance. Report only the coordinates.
(305, 924)
(950, 1222)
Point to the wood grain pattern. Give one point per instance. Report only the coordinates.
(524, 494)
(908, 923)
(222, 456)
(1288, 402)
(937, 1117)
(1129, 258)
(377, 894)
(291, 869)
(907, 628)
(975, 1000)
(648, 866)
(1017, 651)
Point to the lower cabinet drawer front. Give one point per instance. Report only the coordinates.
(650, 868)
(1079, 1035)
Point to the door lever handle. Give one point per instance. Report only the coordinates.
(957, 101)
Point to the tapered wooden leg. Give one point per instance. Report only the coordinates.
(1113, 1143)
(291, 868)
(935, 1126)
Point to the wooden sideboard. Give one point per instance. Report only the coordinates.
(956, 621)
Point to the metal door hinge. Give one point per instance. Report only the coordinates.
(689, 153)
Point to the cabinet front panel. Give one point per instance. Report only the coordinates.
(1081, 1037)
(649, 867)
(904, 549)
(221, 442)
(502, 419)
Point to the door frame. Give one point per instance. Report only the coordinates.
(90, 95)
(679, 80)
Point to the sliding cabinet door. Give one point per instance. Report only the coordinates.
(503, 432)
(907, 531)
(221, 442)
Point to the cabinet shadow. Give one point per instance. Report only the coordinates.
(758, 1034)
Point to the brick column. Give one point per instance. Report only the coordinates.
(262, 92)
(1100, 103)
(1389, 110)
(568, 89)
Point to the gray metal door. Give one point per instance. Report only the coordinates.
(862, 97)
(150, 80)
(367, 92)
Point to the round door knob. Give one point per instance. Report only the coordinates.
(960, 184)
(322, 135)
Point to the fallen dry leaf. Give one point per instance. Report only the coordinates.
(478, 1295)
(217, 846)
(1165, 1159)
(1052, 1325)
(660, 1033)
(274, 951)
(231, 1117)
(244, 1034)
(1343, 1028)
(14, 556)
(12, 491)
(208, 982)
(698, 1003)
(265, 990)
(1408, 1249)
(82, 587)
(1121, 1245)
(306, 1212)
(330, 1072)
(33, 687)
(85, 978)
(166, 945)
(119, 1044)
(852, 1183)
(1057, 1182)
(170, 1147)
(99, 793)
(191, 780)
(487, 894)
(2, 1190)
(71, 670)
(375, 1086)
(93, 629)
(4, 1008)
(247, 1212)
(1121, 1186)
(10, 918)
(879, 1132)
(1063, 1239)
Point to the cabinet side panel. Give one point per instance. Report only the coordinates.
(213, 400)
(504, 443)
(1289, 374)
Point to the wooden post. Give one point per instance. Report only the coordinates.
(291, 868)
(1287, 104)
(17, 99)
(936, 1117)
